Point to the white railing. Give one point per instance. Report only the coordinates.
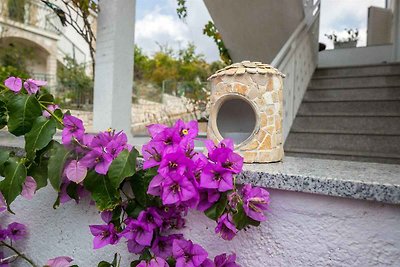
(298, 59)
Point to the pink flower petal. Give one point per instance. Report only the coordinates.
(38, 82)
(29, 188)
(14, 84)
(76, 171)
(62, 261)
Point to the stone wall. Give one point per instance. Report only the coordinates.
(146, 112)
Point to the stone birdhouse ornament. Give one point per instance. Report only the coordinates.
(246, 105)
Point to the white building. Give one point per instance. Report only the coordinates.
(32, 24)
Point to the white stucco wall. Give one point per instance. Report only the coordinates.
(302, 230)
(355, 56)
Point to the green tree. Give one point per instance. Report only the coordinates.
(72, 78)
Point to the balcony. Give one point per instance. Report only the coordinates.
(31, 13)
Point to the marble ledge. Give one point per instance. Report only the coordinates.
(358, 180)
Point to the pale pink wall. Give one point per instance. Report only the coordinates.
(302, 230)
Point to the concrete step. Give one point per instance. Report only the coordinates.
(344, 155)
(347, 124)
(351, 108)
(352, 143)
(356, 82)
(381, 69)
(379, 93)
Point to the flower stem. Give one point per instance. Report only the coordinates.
(19, 253)
(52, 114)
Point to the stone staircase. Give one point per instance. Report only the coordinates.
(349, 113)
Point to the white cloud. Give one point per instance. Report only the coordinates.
(158, 26)
(339, 14)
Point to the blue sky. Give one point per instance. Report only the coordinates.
(339, 14)
(157, 22)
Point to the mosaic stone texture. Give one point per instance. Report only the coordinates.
(260, 85)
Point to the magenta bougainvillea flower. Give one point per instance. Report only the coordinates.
(155, 129)
(229, 160)
(177, 189)
(32, 86)
(156, 185)
(150, 219)
(224, 260)
(213, 176)
(255, 202)
(73, 128)
(102, 149)
(186, 130)
(104, 235)
(137, 231)
(226, 228)
(13, 83)
(188, 254)
(207, 198)
(162, 245)
(155, 262)
(152, 154)
(173, 163)
(3, 234)
(97, 159)
(168, 137)
(29, 188)
(61, 261)
(16, 231)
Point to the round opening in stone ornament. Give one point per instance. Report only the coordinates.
(246, 105)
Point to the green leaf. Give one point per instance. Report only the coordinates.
(116, 261)
(39, 173)
(139, 184)
(103, 193)
(3, 114)
(123, 166)
(135, 263)
(241, 220)
(133, 209)
(15, 175)
(38, 168)
(216, 210)
(58, 157)
(39, 136)
(4, 155)
(72, 191)
(104, 264)
(58, 113)
(22, 111)
(56, 203)
(46, 98)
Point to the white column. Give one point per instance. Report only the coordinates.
(51, 69)
(396, 30)
(114, 65)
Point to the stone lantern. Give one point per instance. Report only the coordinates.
(246, 105)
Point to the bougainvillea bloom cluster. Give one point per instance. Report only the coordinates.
(184, 179)
(143, 203)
